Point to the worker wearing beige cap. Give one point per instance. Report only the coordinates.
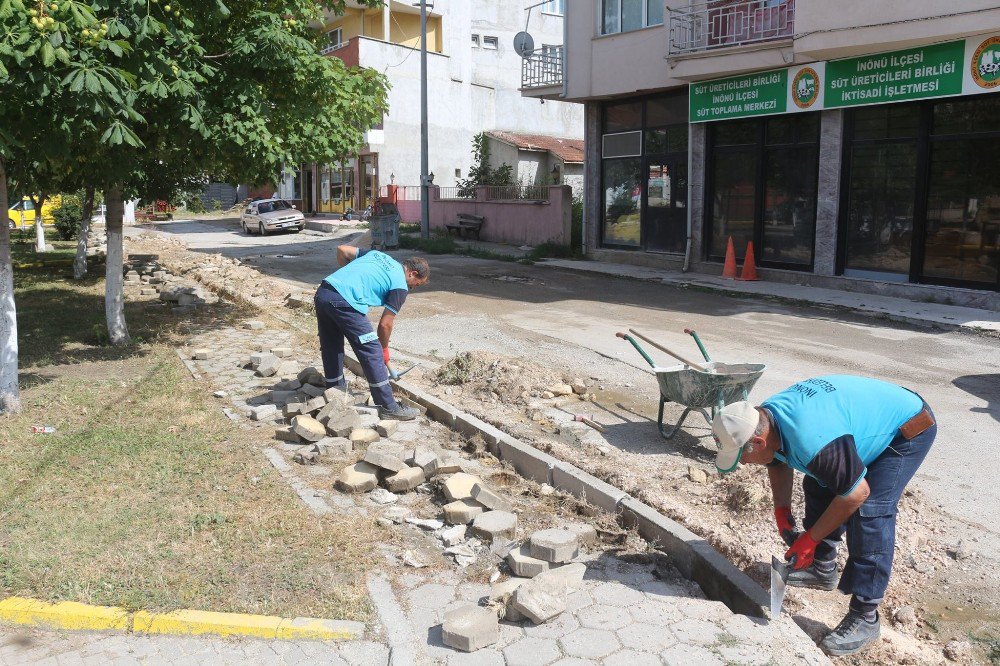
(858, 441)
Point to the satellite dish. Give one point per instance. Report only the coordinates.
(523, 44)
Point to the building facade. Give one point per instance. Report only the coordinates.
(474, 76)
(852, 142)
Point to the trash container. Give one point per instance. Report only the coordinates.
(385, 227)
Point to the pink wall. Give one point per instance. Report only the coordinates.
(512, 222)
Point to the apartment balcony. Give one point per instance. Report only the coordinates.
(542, 69)
(717, 24)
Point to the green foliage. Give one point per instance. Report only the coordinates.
(436, 244)
(576, 224)
(216, 205)
(68, 216)
(193, 203)
(481, 172)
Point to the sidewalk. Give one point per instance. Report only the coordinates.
(897, 309)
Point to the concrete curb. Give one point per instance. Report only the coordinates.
(691, 554)
(72, 615)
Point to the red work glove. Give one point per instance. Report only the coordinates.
(385, 355)
(803, 550)
(786, 524)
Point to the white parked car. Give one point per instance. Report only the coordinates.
(269, 215)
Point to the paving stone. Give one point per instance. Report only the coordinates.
(338, 395)
(268, 365)
(305, 456)
(453, 536)
(462, 512)
(559, 626)
(281, 352)
(531, 652)
(645, 637)
(600, 616)
(459, 486)
(308, 428)
(282, 397)
(567, 577)
(263, 412)
(334, 446)
(385, 461)
(201, 354)
(753, 655)
(494, 524)
(387, 428)
(538, 602)
(554, 545)
(340, 424)
(313, 391)
(586, 534)
(632, 658)
(313, 405)
(425, 459)
(432, 596)
(491, 500)
(253, 325)
(696, 632)
(573, 661)
(311, 375)
(616, 594)
(358, 478)
(288, 369)
(382, 496)
(702, 609)
(286, 434)
(451, 466)
(481, 658)
(362, 437)
(470, 628)
(690, 655)
(660, 590)
(288, 385)
(655, 613)
(404, 480)
(578, 600)
(293, 407)
(523, 564)
(589, 643)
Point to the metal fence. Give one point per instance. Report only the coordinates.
(518, 192)
(543, 67)
(713, 24)
(457, 193)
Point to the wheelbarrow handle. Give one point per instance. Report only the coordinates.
(693, 334)
(626, 336)
(696, 366)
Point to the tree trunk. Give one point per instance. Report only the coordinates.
(39, 221)
(80, 261)
(114, 290)
(10, 394)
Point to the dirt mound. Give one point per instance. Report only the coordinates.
(493, 378)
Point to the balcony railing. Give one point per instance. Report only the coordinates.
(542, 67)
(332, 47)
(715, 24)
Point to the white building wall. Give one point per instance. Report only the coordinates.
(470, 90)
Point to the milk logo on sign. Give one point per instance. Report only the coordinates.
(985, 63)
(805, 87)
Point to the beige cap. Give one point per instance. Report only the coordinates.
(733, 425)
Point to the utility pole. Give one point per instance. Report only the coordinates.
(425, 207)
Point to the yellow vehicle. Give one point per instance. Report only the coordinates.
(22, 214)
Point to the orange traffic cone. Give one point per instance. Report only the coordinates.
(729, 268)
(749, 265)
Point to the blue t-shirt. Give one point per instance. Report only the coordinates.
(372, 280)
(833, 427)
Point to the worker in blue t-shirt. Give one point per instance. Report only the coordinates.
(366, 279)
(858, 442)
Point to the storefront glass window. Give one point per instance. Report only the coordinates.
(880, 206)
(962, 238)
(790, 206)
(290, 186)
(622, 198)
(763, 188)
(894, 121)
(623, 117)
(970, 115)
(734, 200)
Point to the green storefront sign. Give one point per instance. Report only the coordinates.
(739, 96)
(962, 67)
(928, 71)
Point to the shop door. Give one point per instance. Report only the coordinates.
(369, 179)
(308, 192)
(664, 215)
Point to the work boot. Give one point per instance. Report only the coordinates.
(398, 413)
(813, 577)
(853, 634)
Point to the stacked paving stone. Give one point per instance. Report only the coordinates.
(145, 272)
(97, 242)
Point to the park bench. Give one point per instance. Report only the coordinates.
(466, 222)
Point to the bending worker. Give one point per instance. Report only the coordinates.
(366, 279)
(858, 442)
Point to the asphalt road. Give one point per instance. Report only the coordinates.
(569, 318)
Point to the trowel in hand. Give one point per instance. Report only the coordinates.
(779, 576)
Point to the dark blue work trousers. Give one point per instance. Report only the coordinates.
(338, 319)
(871, 531)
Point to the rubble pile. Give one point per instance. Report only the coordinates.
(145, 273)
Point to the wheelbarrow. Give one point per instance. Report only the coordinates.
(698, 387)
